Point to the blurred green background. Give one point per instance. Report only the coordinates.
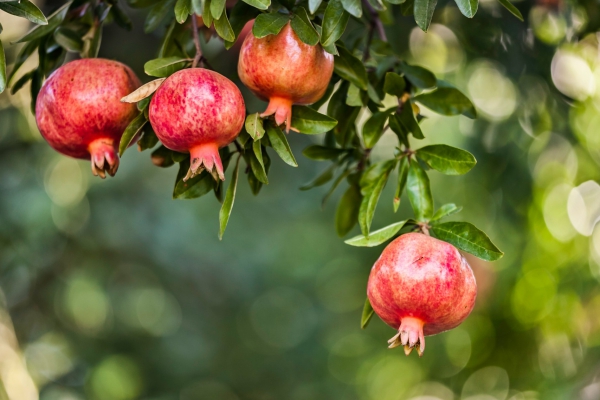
(112, 290)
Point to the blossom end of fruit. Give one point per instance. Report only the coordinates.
(207, 157)
(410, 336)
(103, 157)
(282, 108)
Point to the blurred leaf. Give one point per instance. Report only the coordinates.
(257, 164)
(321, 179)
(206, 14)
(407, 7)
(467, 7)
(313, 5)
(26, 51)
(367, 314)
(419, 192)
(157, 14)
(373, 128)
(512, 9)
(346, 215)
(131, 131)
(350, 68)
(121, 18)
(54, 20)
(423, 12)
(321, 153)
(162, 157)
(92, 41)
(254, 126)
(18, 85)
(240, 14)
(399, 129)
(407, 118)
(225, 211)
(148, 140)
(402, 176)
(164, 67)
(396, 2)
(216, 8)
(269, 24)
(260, 4)
(24, 9)
(447, 159)
(467, 237)
(369, 204)
(354, 7)
(280, 144)
(310, 122)
(377, 237)
(377, 5)
(167, 44)
(334, 186)
(355, 97)
(224, 29)
(394, 84)
(335, 20)
(303, 27)
(3, 79)
(445, 210)
(193, 188)
(182, 10)
(372, 174)
(448, 101)
(68, 39)
(37, 79)
(418, 76)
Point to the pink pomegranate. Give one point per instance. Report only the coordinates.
(284, 70)
(79, 112)
(198, 111)
(421, 286)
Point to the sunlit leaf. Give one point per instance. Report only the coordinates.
(303, 27)
(54, 21)
(448, 101)
(254, 126)
(257, 164)
(313, 5)
(216, 8)
(467, 237)
(164, 67)
(446, 210)
(467, 7)
(376, 237)
(419, 192)
(280, 144)
(24, 9)
(310, 122)
(447, 159)
(423, 12)
(3, 79)
(402, 176)
(269, 24)
(260, 4)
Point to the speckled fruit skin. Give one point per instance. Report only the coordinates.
(284, 70)
(198, 111)
(79, 112)
(421, 286)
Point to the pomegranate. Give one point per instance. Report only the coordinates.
(421, 286)
(198, 111)
(79, 112)
(284, 70)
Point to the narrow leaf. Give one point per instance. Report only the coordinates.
(54, 20)
(346, 215)
(367, 314)
(467, 7)
(369, 204)
(143, 91)
(467, 237)
(157, 14)
(407, 118)
(254, 126)
(350, 68)
(227, 206)
(512, 9)
(24, 9)
(321, 179)
(373, 128)
(269, 24)
(447, 159)
(376, 237)
(446, 210)
(193, 188)
(335, 20)
(354, 7)
(419, 192)
(131, 132)
(303, 27)
(68, 39)
(322, 153)
(224, 29)
(310, 122)
(423, 12)
(3, 79)
(402, 176)
(164, 67)
(280, 144)
(257, 163)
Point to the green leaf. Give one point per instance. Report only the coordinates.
(131, 132)
(418, 76)
(164, 67)
(367, 314)
(335, 20)
(27, 50)
(148, 140)
(346, 215)
(225, 211)
(157, 14)
(467, 237)
(394, 84)
(193, 188)
(350, 68)
(269, 24)
(24, 9)
(423, 12)
(447, 159)
(467, 7)
(377, 5)
(334, 186)
(18, 85)
(260, 4)
(68, 39)
(396, 2)
(303, 27)
(257, 163)
(92, 41)
(354, 7)
(183, 8)
(310, 122)
(377, 237)
(372, 174)
(355, 97)
(120, 17)
(3, 79)
(407, 118)
(254, 126)
(240, 14)
(369, 204)
(313, 5)
(448, 101)
(322, 153)
(445, 210)
(399, 129)
(373, 128)
(512, 9)
(54, 20)
(402, 176)
(321, 179)
(280, 144)
(206, 14)
(419, 192)
(162, 157)
(216, 8)
(224, 29)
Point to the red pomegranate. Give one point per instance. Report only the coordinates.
(79, 112)
(421, 286)
(198, 111)
(284, 70)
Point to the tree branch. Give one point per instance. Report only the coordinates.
(376, 21)
(198, 55)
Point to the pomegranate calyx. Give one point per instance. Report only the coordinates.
(104, 157)
(410, 335)
(282, 108)
(205, 156)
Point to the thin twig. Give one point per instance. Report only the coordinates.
(376, 21)
(198, 55)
